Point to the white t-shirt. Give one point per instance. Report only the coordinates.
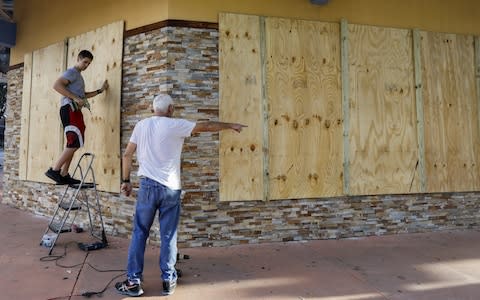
(159, 143)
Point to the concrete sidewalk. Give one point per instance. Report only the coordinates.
(441, 265)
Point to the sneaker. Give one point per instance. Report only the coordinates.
(67, 179)
(55, 176)
(129, 289)
(169, 287)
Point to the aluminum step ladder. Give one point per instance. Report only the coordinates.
(75, 199)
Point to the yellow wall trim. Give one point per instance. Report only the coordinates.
(44, 22)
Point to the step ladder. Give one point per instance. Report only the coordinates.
(74, 199)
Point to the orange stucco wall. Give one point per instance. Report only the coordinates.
(43, 22)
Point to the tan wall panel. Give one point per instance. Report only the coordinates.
(383, 138)
(102, 134)
(39, 25)
(43, 22)
(303, 87)
(24, 131)
(45, 141)
(452, 145)
(241, 156)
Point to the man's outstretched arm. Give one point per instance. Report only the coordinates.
(213, 126)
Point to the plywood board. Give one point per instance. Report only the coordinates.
(45, 136)
(345, 104)
(305, 111)
(383, 139)
(477, 76)
(25, 122)
(452, 145)
(102, 135)
(419, 106)
(241, 156)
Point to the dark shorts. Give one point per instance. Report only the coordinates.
(73, 126)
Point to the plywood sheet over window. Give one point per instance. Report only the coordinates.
(41, 136)
(282, 78)
(452, 145)
(102, 135)
(412, 116)
(241, 156)
(305, 112)
(383, 135)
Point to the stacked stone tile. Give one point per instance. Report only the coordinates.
(183, 62)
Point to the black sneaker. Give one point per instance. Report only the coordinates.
(55, 176)
(169, 287)
(67, 179)
(129, 289)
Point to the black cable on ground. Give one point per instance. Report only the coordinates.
(56, 257)
(79, 272)
(88, 294)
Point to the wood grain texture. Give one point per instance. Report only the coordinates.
(303, 88)
(41, 126)
(25, 122)
(383, 136)
(102, 134)
(345, 75)
(419, 107)
(241, 156)
(452, 144)
(477, 78)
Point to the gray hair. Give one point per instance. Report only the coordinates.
(162, 102)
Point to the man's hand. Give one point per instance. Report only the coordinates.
(237, 127)
(80, 102)
(126, 188)
(104, 86)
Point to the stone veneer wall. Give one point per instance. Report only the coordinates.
(184, 62)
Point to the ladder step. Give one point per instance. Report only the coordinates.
(85, 185)
(66, 206)
(56, 226)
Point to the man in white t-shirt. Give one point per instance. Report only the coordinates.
(158, 141)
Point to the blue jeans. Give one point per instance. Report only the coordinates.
(153, 196)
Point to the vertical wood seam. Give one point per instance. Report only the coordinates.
(65, 67)
(419, 105)
(345, 105)
(477, 77)
(263, 57)
(25, 123)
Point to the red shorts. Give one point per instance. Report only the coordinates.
(73, 126)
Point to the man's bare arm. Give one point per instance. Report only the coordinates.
(60, 86)
(126, 167)
(213, 126)
(97, 92)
